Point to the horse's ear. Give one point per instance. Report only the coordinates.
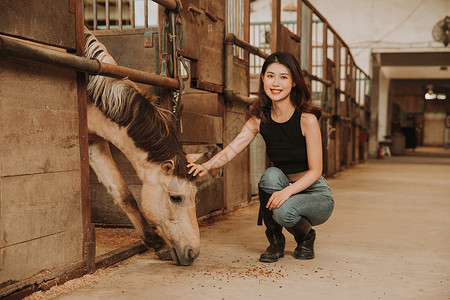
(167, 166)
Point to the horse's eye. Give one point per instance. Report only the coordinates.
(176, 199)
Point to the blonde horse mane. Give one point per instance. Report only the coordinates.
(150, 127)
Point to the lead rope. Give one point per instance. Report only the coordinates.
(174, 32)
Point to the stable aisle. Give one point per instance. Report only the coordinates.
(388, 238)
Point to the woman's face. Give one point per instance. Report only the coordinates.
(277, 82)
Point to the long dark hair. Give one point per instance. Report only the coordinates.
(300, 94)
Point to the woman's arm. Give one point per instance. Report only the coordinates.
(311, 132)
(240, 142)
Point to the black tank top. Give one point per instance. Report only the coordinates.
(285, 143)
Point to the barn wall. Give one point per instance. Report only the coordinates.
(40, 195)
(19, 18)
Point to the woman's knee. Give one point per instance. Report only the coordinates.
(273, 179)
(285, 217)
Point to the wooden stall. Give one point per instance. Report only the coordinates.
(207, 121)
(45, 185)
(46, 236)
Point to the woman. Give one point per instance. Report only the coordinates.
(293, 193)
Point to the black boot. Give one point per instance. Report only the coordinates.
(304, 236)
(273, 232)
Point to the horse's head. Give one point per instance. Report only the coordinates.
(168, 201)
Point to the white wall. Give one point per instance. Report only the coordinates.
(261, 11)
(373, 24)
(394, 25)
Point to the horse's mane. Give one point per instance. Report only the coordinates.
(150, 127)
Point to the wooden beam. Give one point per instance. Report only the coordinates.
(247, 27)
(276, 25)
(88, 230)
(310, 42)
(119, 254)
(299, 27)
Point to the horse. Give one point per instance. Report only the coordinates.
(119, 113)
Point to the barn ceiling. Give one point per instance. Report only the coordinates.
(415, 65)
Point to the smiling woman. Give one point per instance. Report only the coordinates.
(293, 193)
(277, 82)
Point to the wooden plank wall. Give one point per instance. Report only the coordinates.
(40, 196)
(202, 130)
(18, 18)
(204, 36)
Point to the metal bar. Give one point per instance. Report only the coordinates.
(22, 50)
(107, 13)
(119, 12)
(132, 16)
(146, 13)
(314, 77)
(169, 4)
(94, 13)
(232, 39)
(137, 76)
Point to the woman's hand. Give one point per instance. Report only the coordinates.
(277, 199)
(200, 170)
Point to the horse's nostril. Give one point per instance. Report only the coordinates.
(191, 255)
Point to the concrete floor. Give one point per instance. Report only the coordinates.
(388, 238)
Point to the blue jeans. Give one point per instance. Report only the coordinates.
(315, 203)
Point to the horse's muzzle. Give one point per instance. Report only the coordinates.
(184, 257)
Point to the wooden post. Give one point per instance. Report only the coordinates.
(276, 25)
(88, 229)
(325, 90)
(132, 15)
(337, 60)
(246, 26)
(299, 27)
(247, 38)
(107, 13)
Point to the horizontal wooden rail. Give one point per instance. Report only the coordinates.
(18, 49)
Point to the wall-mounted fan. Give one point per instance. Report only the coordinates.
(441, 31)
